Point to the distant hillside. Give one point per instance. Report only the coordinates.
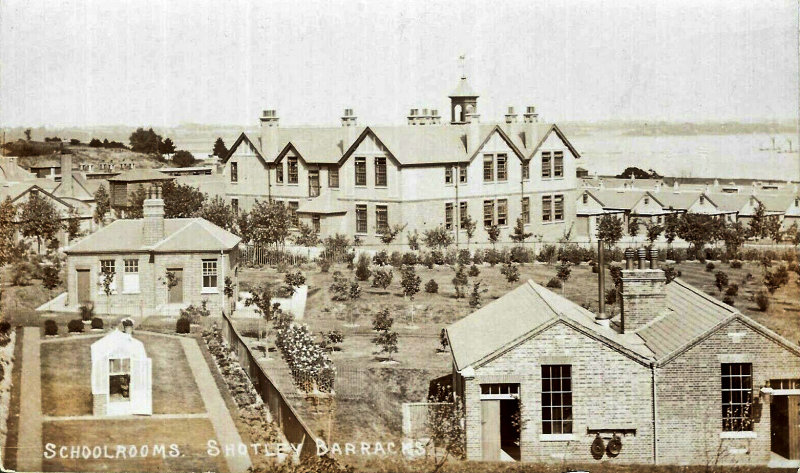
(33, 152)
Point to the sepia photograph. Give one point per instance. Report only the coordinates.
(400, 236)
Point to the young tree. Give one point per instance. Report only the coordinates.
(28, 134)
(437, 238)
(388, 236)
(51, 277)
(469, 225)
(633, 227)
(475, 295)
(510, 271)
(653, 231)
(306, 235)
(7, 216)
(520, 235)
(563, 274)
(243, 227)
(409, 281)
(102, 204)
(772, 229)
(219, 212)
(413, 240)
(670, 228)
(270, 223)
(107, 278)
(382, 320)
(219, 148)
(793, 235)
(698, 230)
(386, 339)
(609, 230)
(493, 232)
(382, 278)
(39, 219)
(293, 280)
(721, 281)
(734, 236)
(362, 267)
(73, 224)
(261, 297)
(183, 159)
(756, 229)
(460, 282)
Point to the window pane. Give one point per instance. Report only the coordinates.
(361, 218)
(488, 168)
(292, 170)
(380, 172)
(333, 177)
(558, 164)
(556, 399)
(488, 213)
(546, 164)
(361, 171)
(502, 167)
(448, 174)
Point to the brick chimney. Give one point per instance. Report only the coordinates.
(643, 295)
(473, 131)
(153, 211)
(530, 118)
(349, 118)
(269, 133)
(66, 175)
(511, 116)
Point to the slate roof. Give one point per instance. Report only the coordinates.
(678, 200)
(618, 199)
(463, 89)
(180, 234)
(139, 175)
(777, 201)
(730, 202)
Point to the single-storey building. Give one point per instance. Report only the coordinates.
(157, 265)
(677, 378)
(629, 205)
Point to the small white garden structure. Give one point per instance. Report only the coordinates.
(121, 376)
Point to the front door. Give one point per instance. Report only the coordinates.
(490, 429)
(785, 426)
(84, 293)
(176, 291)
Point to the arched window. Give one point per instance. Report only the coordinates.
(458, 113)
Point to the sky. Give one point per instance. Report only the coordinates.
(163, 63)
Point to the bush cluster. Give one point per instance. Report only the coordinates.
(50, 327)
(308, 360)
(431, 287)
(75, 326)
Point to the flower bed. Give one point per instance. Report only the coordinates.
(6, 364)
(308, 361)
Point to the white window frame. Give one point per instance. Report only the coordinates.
(100, 277)
(206, 271)
(130, 276)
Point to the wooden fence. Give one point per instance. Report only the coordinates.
(293, 427)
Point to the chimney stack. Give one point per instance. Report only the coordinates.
(643, 295)
(269, 133)
(153, 217)
(349, 118)
(66, 175)
(511, 116)
(473, 130)
(413, 116)
(435, 118)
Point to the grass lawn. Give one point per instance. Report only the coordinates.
(190, 435)
(370, 392)
(66, 386)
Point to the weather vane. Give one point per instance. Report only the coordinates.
(463, 62)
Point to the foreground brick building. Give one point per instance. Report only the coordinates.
(678, 378)
(359, 180)
(143, 254)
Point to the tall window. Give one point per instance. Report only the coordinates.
(547, 208)
(526, 170)
(381, 219)
(448, 216)
(586, 199)
(333, 177)
(502, 167)
(315, 221)
(235, 205)
(291, 165)
(462, 174)
(556, 399)
(488, 167)
(448, 174)
(209, 274)
(526, 210)
(108, 266)
(463, 213)
(234, 172)
(558, 164)
(130, 280)
(293, 206)
(737, 397)
(488, 213)
(380, 172)
(361, 218)
(502, 212)
(361, 171)
(546, 165)
(279, 173)
(558, 213)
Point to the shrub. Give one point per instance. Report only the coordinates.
(21, 273)
(574, 254)
(381, 258)
(493, 256)
(51, 327)
(547, 254)
(670, 273)
(554, 283)
(475, 295)
(410, 281)
(464, 257)
(396, 259)
(709, 266)
(382, 278)
(431, 287)
(362, 268)
(183, 325)
(354, 292)
(293, 280)
(732, 290)
(450, 257)
(438, 257)
(97, 323)
(382, 320)
(87, 312)
(720, 280)
(428, 261)
(477, 257)
(460, 282)
(510, 271)
(340, 287)
(474, 271)
(324, 264)
(777, 278)
(736, 264)
(5, 328)
(520, 254)
(75, 326)
(762, 300)
(409, 258)
(728, 300)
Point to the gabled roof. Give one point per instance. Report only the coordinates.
(180, 235)
(243, 138)
(679, 200)
(141, 175)
(78, 184)
(41, 191)
(777, 202)
(730, 202)
(621, 200)
(517, 316)
(560, 134)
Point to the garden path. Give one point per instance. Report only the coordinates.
(220, 417)
(29, 446)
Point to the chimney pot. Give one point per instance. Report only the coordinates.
(653, 258)
(630, 255)
(641, 253)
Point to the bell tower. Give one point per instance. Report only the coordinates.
(463, 101)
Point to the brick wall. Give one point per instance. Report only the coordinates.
(643, 297)
(610, 390)
(689, 398)
(99, 402)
